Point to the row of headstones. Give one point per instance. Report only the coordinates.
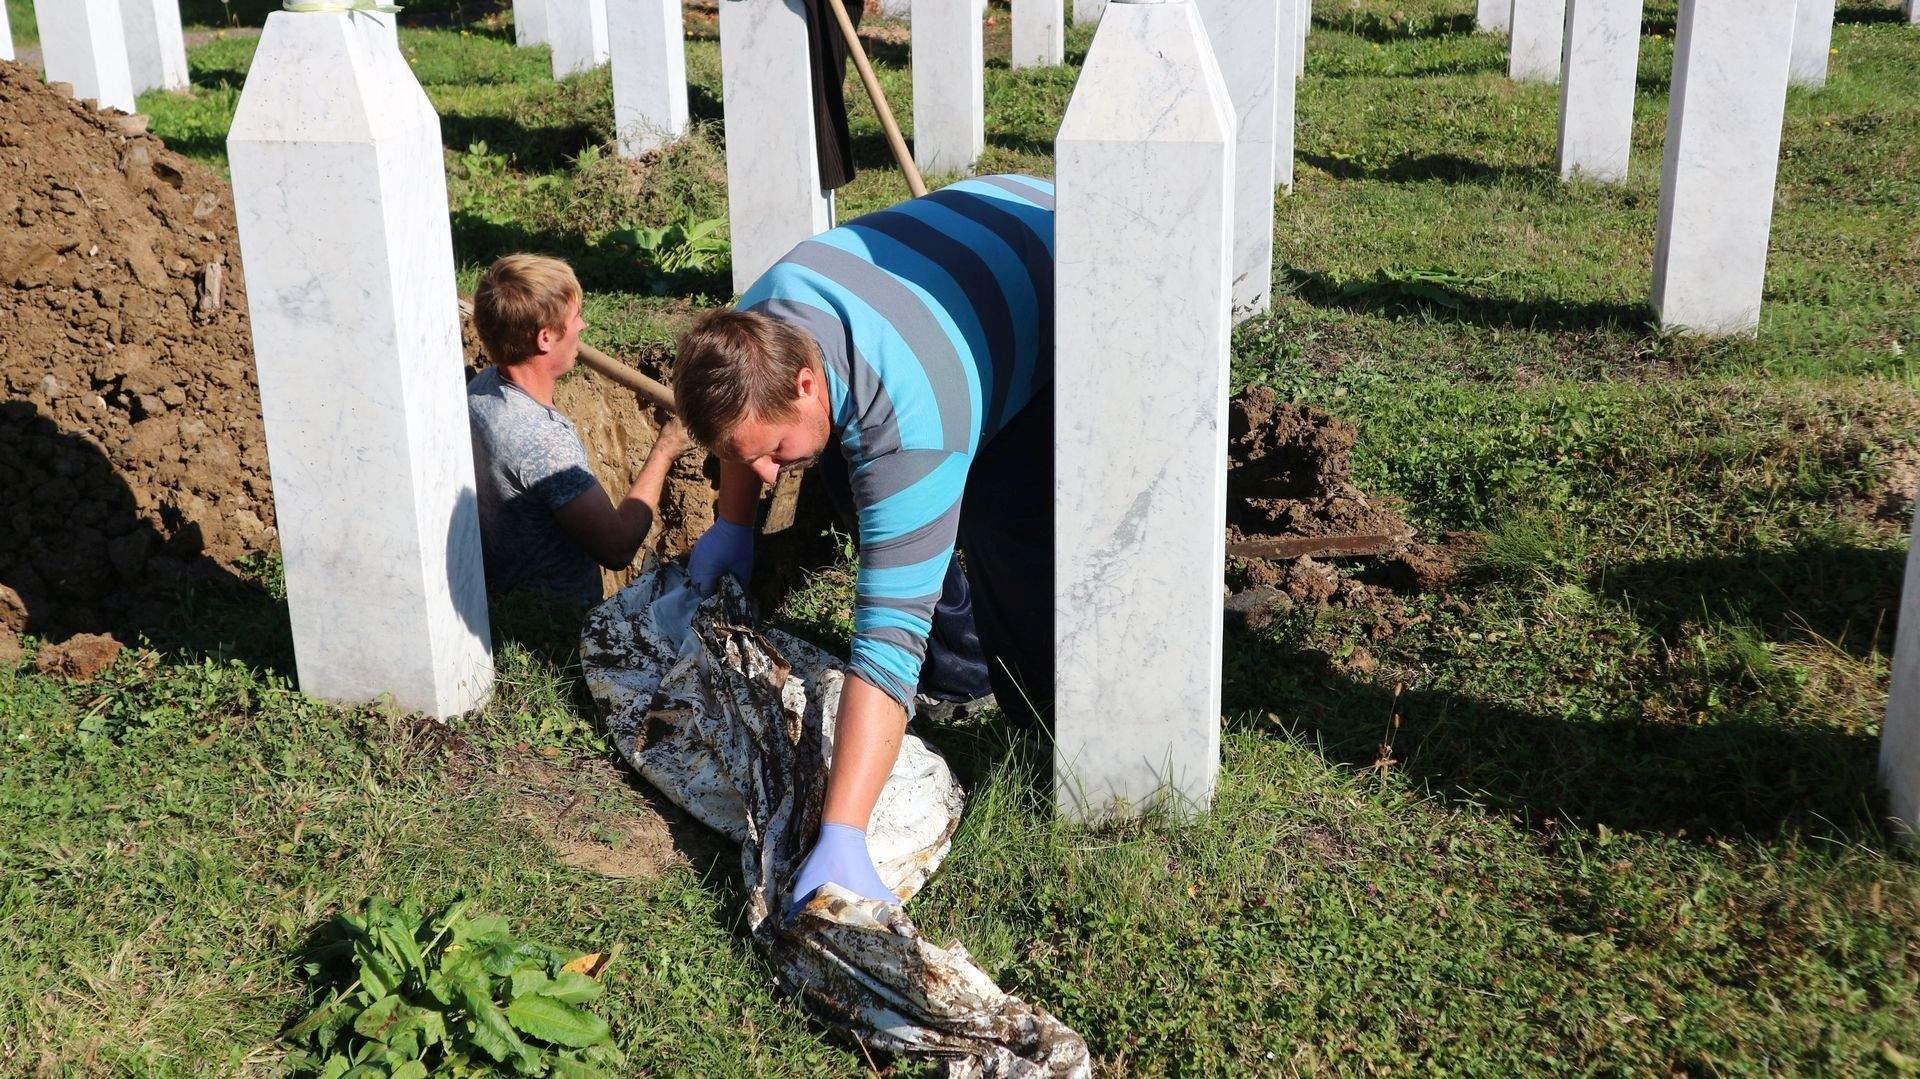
(109, 51)
(345, 236)
(1732, 66)
(373, 475)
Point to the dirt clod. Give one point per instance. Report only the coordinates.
(79, 657)
(1289, 476)
(10, 650)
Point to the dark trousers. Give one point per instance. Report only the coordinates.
(993, 627)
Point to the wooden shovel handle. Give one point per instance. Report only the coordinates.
(609, 367)
(901, 155)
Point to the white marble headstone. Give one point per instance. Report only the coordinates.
(1596, 89)
(649, 53)
(529, 23)
(577, 34)
(1812, 42)
(1286, 94)
(84, 43)
(1534, 38)
(1039, 34)
(1247, 38)
(774, 199)
(1900, 735)
(1723, 149)
(1086, 12)
(1303, 15)
(341, 197)
(1492, 15)
(897, 9)
(1144, 239)
(1913, 12)
(6, 35)
(949, 87)
(156, 47)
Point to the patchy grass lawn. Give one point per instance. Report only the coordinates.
(1606, 808)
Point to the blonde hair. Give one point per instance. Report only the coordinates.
(517, 297)
(738, 364)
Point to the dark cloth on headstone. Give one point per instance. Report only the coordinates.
(829, 54)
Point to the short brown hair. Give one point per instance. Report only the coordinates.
(517, 297)
(734, 365)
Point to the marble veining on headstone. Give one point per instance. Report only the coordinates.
(1722, 153)
(156, 47)
(84, 43)
(1596, 89)
(949, 87)
(340, 194)
(648, 47)
(1247, 37)
(1534, 37)
(1144, 235)
(774, 199)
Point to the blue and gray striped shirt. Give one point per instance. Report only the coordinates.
(935, 320)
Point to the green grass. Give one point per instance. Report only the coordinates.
(1623, 818)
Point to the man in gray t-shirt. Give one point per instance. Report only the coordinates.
(546, 524)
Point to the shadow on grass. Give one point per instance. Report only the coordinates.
(1694, 781)
(1411, 168)
(1372, 26)
(533, 149)
(1844, 595)
(1434, 296)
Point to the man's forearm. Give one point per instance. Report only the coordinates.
(866, 741)
(739, 494)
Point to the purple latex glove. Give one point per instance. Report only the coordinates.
(724, 548)
(839, 857)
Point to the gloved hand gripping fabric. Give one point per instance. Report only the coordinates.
(839, 857)
(724, 548)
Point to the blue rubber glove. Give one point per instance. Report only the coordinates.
(724, 548)
(839, 857)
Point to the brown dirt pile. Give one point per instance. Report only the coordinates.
(1289, 476)
(131, 449)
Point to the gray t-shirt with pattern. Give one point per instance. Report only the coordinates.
(528, 462)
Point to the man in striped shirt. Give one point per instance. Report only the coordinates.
(918, 341)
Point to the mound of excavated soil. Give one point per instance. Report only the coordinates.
(130, 442)
(1288, 479)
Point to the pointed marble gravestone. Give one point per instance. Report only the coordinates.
(774, 198)
(1900, 735)
(949, 85)
(1039, 34)
(83, 43)
(1087, 12)
(1249, 38)
(1144, 244)
(156, 47)
(1722, 153)
(1602, 59)
(6, 35)
(1286, 95)
(1812, 43)
(1534, 38)
(649, 53)
(1492, 16)
(577, 34)
(341, 198)
(529, 23)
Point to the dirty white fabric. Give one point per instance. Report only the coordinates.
(735, 725)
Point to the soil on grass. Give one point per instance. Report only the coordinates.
(585, 810)
(131, 449)
(1289, 475)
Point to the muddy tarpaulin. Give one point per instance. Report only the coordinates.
(735, 725)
